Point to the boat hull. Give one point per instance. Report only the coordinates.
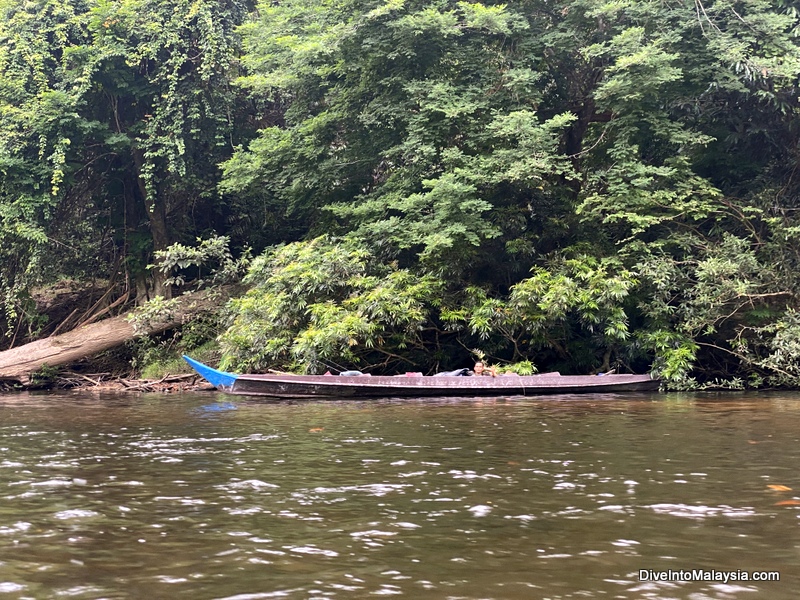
(333, 386)
(346, 387)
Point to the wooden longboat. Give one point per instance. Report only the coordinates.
(418, 386)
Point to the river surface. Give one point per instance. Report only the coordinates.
(203, 495)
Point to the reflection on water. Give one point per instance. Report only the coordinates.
(211, 496)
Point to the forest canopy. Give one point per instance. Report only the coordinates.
(563, 185)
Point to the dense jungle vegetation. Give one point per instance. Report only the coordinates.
(577, 185)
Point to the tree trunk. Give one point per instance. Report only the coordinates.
(18, 363)
(159, 231)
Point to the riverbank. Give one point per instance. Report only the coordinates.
(179, 383)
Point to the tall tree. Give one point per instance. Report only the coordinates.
(161, 74)
(114, 118)
(40, 126)
(625, 145)
(406, 123)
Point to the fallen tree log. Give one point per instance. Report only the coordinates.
(17, 364)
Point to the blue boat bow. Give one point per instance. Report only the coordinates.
(219, 379)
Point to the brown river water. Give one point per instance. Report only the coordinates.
(204, 496)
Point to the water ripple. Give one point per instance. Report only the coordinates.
(702, 512)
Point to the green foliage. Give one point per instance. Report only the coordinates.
(44, 377)
(113, 117)
(675, 357)
(774, 349)
(325, 302)
(156, 358)
(211, 253)
(482, 142)
(574, 306)
(410, 144)
(524, 367)
(173, 58)
(38, 125)
(155, 310)
(720, 295)
(571, 184)
(592, 290)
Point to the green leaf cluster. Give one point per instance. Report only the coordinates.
(320, 304)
